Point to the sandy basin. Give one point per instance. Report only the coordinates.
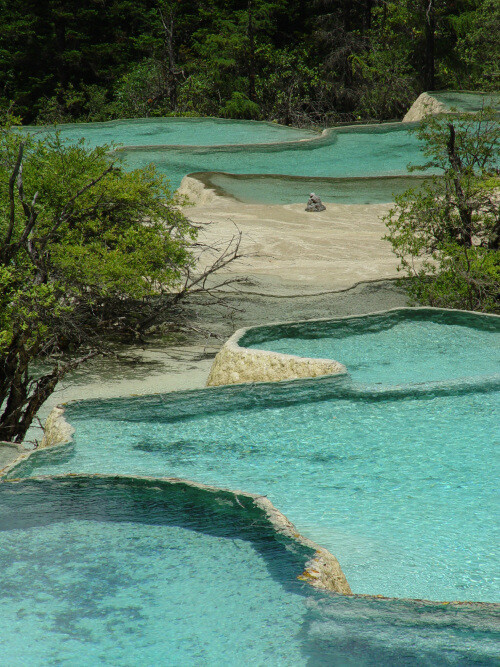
(301, 251)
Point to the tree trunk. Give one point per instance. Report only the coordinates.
(430, 30)
(168, 20)
(464, 209)
(251, 54)
(367, 22)
(25, 396)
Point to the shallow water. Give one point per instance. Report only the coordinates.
(380, 150)
(177, 131)
(391, 467)
(397, 488)
(262, 189)
(398, 352)
(125, 572)
(179, 146)
(399, 482)
(465, 101)
(117, 574)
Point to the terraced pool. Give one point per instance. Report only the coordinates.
(179, 146)
(124, 572)
(177, 131)
(360, 151)
(392, 468)
(402, 346)
(177, 576)
(399, 482)
(357, 164)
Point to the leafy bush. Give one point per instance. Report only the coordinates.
(447, 235)
(239, 106)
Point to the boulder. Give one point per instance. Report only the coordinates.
(315, 204)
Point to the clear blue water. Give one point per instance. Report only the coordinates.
(126, 573)
(401, 488)
(178, 146)
(466, 101)
(392, 467)
(400, 483)
(395, 351)
(382, 150)
(175, 131)
(117, 575)
(262, 189)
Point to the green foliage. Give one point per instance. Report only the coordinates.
(447, 236)
(93, 245)
(97, 60)
(239, 106)
(88, 252)
(287, 86)
(141, 92)
(466, 278)
(388, 87)
(478, 45)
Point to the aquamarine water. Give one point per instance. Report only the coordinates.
(395, 349)
(124, 572)
(392, 467)
(179, 146)
(177, 131)
(263, 189)
(103, 573)
(401, 490)
(466, 101)
(399, 482)
(380, 150)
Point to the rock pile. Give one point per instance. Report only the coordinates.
(315, 204)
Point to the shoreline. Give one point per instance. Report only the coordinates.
(298, 266)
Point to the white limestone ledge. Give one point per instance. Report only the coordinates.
(424, 105)
(57, 432)
(234, 365)
(196, 191)
(323, 570)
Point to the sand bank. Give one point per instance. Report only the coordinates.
(332, 249)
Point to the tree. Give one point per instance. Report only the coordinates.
(478, 46)
(447, 236)
(89, 254)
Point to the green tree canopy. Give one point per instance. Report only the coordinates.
(100, 59)
(447, 236)
(88, 253)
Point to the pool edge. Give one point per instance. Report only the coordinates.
(237, 364)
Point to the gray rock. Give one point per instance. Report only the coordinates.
(315, 203)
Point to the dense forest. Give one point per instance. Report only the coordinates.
(293, 61)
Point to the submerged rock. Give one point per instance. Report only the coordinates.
(315, 203)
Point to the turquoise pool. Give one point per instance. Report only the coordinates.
(122, 572)
(399, 482)
(174, 131)
(128, 572)
(269, 189)
(466, 101)
(275, 153)
(400, 347)
(346, 152)
(179, 146)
